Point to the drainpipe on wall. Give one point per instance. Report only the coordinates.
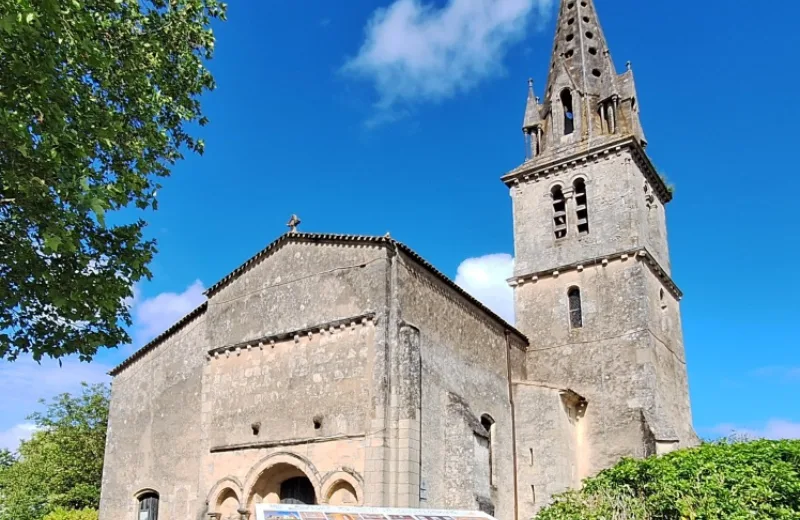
(513, 424)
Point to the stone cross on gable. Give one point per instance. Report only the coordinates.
(293, 223)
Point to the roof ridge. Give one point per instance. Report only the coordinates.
(153, 343)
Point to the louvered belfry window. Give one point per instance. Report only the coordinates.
(581, 207)
(559, 212)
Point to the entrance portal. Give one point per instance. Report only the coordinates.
(297, 490)
(282, 483)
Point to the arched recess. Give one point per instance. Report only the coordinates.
(224, 494)
(343, 487)
(227, 505)
(264, 481)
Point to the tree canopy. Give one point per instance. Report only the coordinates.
(61, 466)
(98, 99)
(723, 480)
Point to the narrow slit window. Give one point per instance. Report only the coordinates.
(575, 309)
(488, 424)
(581, 207)
(148, 507)
(569, 115)
(559, 212)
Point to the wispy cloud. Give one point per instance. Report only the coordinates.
(24, 382)
(414, 51)
(10, 438)
(773, 429)
(778, 373)
(485, 279)
(152, 316)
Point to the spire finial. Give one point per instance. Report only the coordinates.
(629, 65)
(293, 223)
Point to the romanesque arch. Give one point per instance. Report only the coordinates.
(343, 487)
(225, 499)
(267, 481)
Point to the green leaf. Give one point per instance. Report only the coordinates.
(52, 242)
(99, 210)
(29, 17)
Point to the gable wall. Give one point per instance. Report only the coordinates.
(299, 285)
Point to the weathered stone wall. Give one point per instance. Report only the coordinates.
(463, 358)
(619, 219)
(671, 384)
(549, 446)
(154, 433)
(284, 387)
(604, 361)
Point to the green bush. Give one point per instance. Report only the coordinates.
(721, 480)
(64, 514)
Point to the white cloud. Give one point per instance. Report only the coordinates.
(24, 382)
(10, 439)
(152, 316)
(774, 429)
(414, 51)
(485, 279)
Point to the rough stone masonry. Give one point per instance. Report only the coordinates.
(346, 369)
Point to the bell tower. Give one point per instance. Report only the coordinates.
(592, 281)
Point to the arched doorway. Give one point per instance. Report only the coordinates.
(297, 490)
(282, 483)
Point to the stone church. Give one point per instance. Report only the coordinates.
(343, 369)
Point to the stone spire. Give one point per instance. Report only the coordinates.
(585, 100)
(532, 115)
(580, 50)
(533, 125)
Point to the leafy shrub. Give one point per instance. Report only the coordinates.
(65, 514)
(721, 480)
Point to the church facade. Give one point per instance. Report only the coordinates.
(347, 370)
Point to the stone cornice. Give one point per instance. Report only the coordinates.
(545, 166)
(638, 254)
(282, 443)
(330, 327)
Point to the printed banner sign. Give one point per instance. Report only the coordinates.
(299, 512)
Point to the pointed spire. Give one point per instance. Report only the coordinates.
(532, 114)
(581, 49)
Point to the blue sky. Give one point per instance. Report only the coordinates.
(403, 121)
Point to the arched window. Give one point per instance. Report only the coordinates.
(148, 506)
(488, 424)
(581, 207)
(559, 212)
(569, 115)
(575, 310)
